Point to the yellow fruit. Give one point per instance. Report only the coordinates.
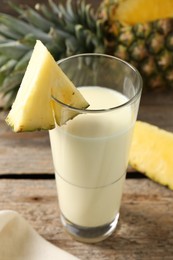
(34, 108)
(152, 153)
(140, 11)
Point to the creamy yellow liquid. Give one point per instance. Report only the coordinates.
(90, 155)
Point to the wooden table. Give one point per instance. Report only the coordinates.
(27, 185)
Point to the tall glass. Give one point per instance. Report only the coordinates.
(90, 152)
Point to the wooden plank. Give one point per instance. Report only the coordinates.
(144, 230)
(157, 108)
(157, 98)
(26, 153)
(159, 115)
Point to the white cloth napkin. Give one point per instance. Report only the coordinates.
(19, 241)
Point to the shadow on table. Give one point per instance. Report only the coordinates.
(144, 231)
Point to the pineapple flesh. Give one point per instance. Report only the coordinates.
(142, 11)
(152, 153)
(34, 108)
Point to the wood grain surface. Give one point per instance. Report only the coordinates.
(144, 230)
(24, 153)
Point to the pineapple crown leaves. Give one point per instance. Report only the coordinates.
(65, 30)
(77, 27)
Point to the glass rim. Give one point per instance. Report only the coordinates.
(101, 110)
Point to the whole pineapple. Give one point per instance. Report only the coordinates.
(118, 27)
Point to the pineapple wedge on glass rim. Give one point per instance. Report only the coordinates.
(34, 108)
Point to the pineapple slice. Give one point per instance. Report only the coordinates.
(34, 108)
(140, 11)
(152, 153)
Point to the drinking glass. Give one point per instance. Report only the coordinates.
(90, 152)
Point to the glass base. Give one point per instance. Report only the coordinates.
(89, 234)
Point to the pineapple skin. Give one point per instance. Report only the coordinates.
(152, 152)
(148, 46)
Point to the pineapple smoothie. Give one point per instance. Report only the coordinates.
(90, 155)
